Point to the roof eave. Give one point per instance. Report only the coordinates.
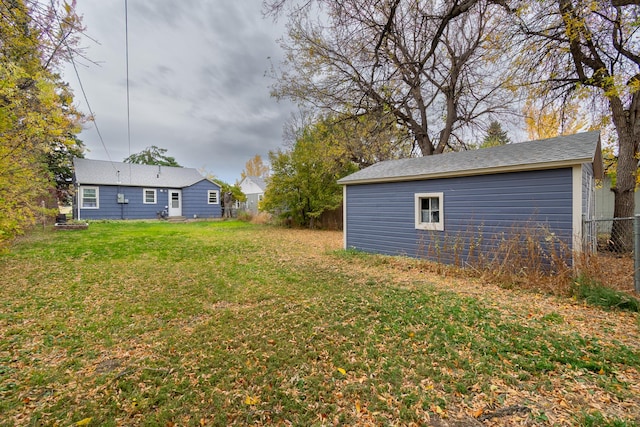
(474, 172)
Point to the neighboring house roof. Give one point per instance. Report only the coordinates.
(256, 180)
(561, 151)
(101, 172)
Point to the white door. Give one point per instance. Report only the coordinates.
(175, 202)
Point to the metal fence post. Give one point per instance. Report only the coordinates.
(636, 253)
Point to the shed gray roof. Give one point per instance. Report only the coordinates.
(100, 172)
(561, 151)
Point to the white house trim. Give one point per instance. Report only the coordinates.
(344, 216)
(577, 208)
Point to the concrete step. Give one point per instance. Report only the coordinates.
(177, 219)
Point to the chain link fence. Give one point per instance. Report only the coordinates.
(615, 241)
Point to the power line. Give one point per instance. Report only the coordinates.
(84, 94)
(93, 117)
(126, 39)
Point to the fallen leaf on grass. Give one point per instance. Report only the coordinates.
(438, 410)
(249, 400)
(84, 422)
(342, 371)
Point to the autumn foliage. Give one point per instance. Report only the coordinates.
(37, 119)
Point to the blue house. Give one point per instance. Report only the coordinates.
(458, 207)
(113, 190)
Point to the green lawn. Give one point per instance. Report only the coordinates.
(219, 323)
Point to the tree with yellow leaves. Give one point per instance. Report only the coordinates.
(549, 121)
(586, 52)
(255, 167)
(38, 122)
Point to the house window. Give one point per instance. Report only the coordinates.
(89, 198)
(212, 197)
(149, 196)
(429, 211)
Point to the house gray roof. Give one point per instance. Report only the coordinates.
(561, 151)
(100, 172)
(259, 181)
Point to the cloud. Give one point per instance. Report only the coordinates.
(197, 84)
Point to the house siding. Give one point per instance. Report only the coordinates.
(133, 209)
(252, 202)
(605, 200)
(479, 211)
(195, 201)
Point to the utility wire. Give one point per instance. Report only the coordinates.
(93, 117)
(126, 40)
(84, 94)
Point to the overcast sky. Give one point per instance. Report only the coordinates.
(196, 79)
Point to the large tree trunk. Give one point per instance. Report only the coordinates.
(624, 201)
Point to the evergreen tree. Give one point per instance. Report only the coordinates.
(152, 156)
(495, 136)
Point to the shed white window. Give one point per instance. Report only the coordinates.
(429, 211)
(213, 197)
(150, 196)
(89, 197)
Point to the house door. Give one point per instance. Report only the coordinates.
(175, 203)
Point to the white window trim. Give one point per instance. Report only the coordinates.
(437, 226)
(97, 206)
(144, 196)
(217, 193)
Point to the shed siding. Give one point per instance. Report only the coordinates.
(195, 200)
(484, 208)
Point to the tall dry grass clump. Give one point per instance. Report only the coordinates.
(611, 270)
(527, 256)
(262, 218)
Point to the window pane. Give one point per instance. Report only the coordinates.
(424, 204)
(435, 203)
(435, 216)
(150, 196)
(89, 199)
(425, 216)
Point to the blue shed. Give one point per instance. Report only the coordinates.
(113, 190)
(456, 207)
